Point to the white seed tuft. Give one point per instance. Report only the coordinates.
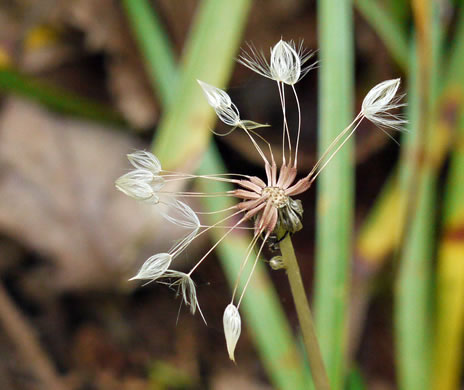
(180, 245)
(226, 111)
(255, 60)
(154, 267)
(144, 182)
(141, 185)
(186, 288)
(181, 214)
(229, 115)
(222, 104)
(378, 103)
(189, 292)
(145, 160)
(232, 328)
(216, 97)
(286, 63)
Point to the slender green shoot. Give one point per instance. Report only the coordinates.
(449, 324)
(316, 363)
(335, 186)
(413, 293)
(154, 47)
(58, 99)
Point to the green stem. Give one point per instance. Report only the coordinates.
(318, 372)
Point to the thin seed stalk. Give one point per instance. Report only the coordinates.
(318, 371)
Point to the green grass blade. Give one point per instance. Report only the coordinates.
(335, 185)
(382, 229)
(154, 47)
(379, 234)
(413, 314)
(263, 313)
(389, 30)
(56, 98)
(449, 329)
(404, 327)
(355, 380)
(414, 289)
(184, 131)
(400, 10)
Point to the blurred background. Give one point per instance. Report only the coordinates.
(83, 83)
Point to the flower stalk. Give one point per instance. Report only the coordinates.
(313, 351)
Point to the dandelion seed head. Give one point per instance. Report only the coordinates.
(266, 206)
(276, 195)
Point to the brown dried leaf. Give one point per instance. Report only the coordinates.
(57, 196)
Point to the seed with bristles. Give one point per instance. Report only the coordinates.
(141, 185)
(380, 101)
(154, 267)
(145, 160)
(216, 97)
(232, 328)
(286, 62)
